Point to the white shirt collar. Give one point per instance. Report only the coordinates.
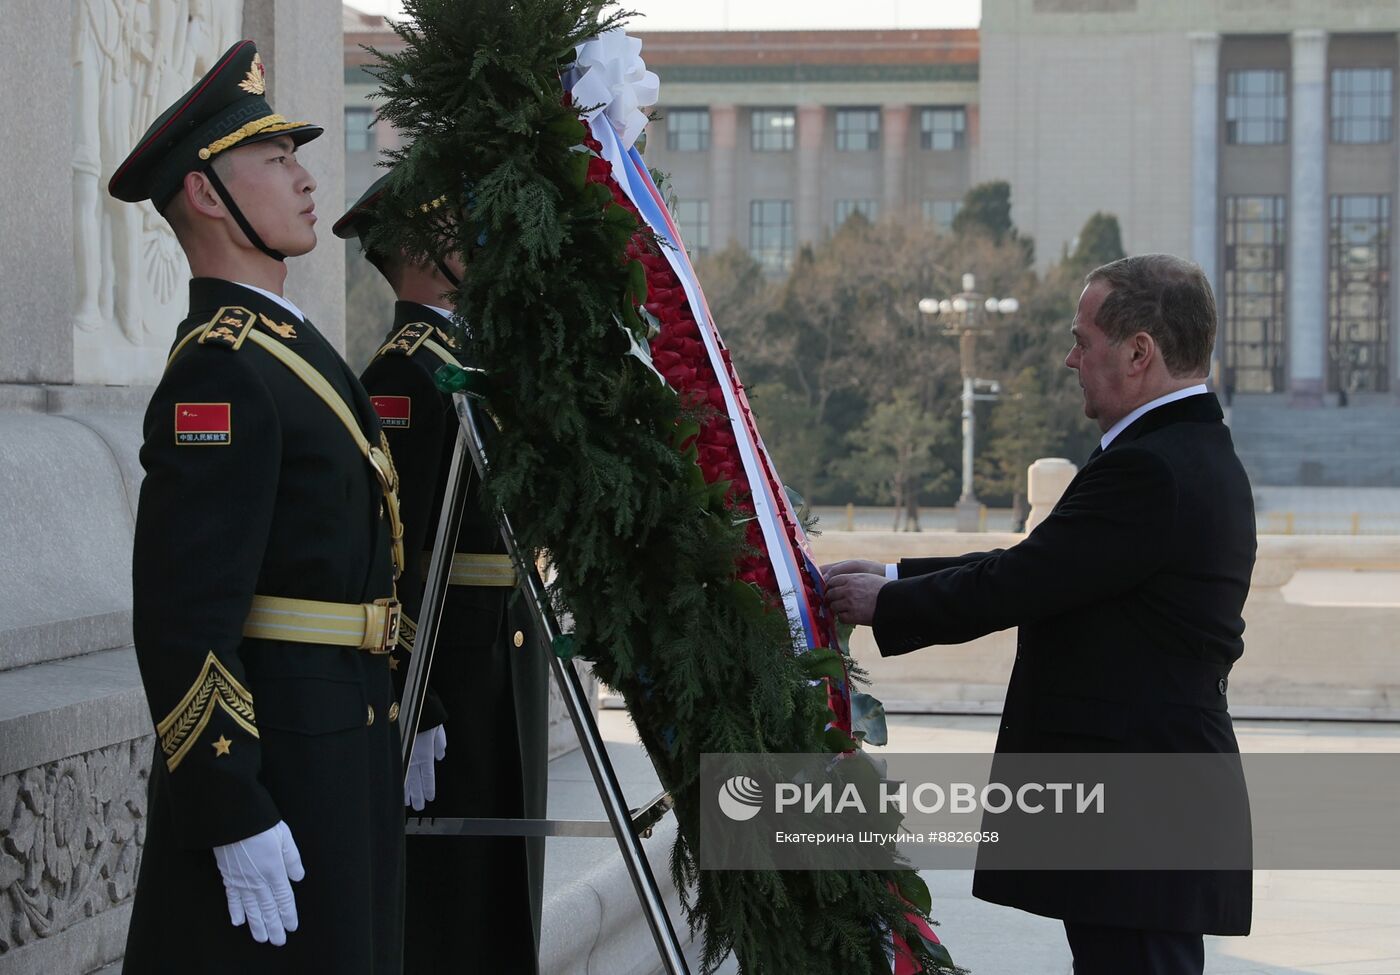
(277, 298)
(444, 312)
(1127, 421)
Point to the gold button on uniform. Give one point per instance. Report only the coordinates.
(370, 719)
(519, 638)
(394, 712)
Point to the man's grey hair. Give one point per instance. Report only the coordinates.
(1167, 297)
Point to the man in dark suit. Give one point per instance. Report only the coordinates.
(266, 546)
(1128, 598)
(489, 680)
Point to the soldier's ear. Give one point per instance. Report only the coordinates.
(200, 196)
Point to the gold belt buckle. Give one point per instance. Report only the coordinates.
(389, 636)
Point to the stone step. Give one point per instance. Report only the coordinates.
(592, 922)
(1351, 446)
(67, 514)
(54, 710)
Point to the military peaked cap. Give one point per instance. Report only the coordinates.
(363, 213)
(225, 108)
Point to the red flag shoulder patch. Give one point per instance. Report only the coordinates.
(203, 424)
(393, 411)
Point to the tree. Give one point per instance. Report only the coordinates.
(1100, 241)
(986, 211)
(792, 435)
(893, 456)
(739, 297)
(835, 354)
(1020, 431)
(986, 207)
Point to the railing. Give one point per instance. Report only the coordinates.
(1329, 523)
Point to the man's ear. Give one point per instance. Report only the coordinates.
(200, 195)
(1143, 353)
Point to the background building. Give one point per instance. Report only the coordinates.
(772, 138)
(1256, 137)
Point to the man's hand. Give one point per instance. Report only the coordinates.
(257, 874)
(852, 595)
(420, 784)
(833, 569)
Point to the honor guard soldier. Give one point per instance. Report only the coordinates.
(478, 895)
(263, 580)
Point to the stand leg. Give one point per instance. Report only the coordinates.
(420, 663)
(470, 442)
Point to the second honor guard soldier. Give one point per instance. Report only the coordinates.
(263, 577)
(472, 901)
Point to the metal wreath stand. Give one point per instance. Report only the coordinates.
(627, 826)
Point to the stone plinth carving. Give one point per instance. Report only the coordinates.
(70, 838)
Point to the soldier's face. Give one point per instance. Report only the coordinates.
(274, 192)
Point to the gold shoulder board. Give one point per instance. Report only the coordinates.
(407, 340)
(229, 326)
(447, 339)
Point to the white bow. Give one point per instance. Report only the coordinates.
(611, 79)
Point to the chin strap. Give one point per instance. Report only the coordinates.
(238, 217)
(446, 272)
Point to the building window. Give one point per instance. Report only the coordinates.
(868, 209)
(688, 129)
(770, 234)
(943, 128)
(773, 129)
(1361, 99)
(1254, 290)
(1358, 308)
(693, 216)
(941, 212)
(1256, 107)
(857, 129)
(358, 136)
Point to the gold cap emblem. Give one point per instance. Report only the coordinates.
(255, 81)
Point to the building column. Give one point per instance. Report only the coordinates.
(811, 130)
(302, 51)
(38, 283)
(894, 144)
(1307, 220)
(1205, 152)
(724, 126)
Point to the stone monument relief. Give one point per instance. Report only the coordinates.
(131, 58)
(70, 835)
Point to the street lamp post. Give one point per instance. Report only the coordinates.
(967, 313)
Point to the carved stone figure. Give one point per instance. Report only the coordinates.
(130, 59)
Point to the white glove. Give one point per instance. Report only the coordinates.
(256, 873)
(420, 784)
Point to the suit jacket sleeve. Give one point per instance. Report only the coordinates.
(202, 526)
(908, 568)
(417, 453)
(1111, 531)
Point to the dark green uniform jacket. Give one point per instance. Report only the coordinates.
(254, 486)
(473, 903)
